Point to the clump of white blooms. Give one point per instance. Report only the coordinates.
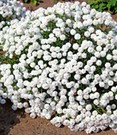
(61, 64)
(10, 9)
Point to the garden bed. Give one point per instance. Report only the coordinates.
(19, 123)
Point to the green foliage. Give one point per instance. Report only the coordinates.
(101, 5)
(35, 2)
(55, 1)
(7, 60)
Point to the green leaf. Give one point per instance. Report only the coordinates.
(96, 6)
(34, 1)
(102, 5)
(109, 6)
(113, 2)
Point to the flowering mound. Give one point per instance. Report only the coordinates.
(10, 9)
(61, 63)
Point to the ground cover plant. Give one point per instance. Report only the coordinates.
(11, 9)
(60, 63)
(101, 5)
(35, 2)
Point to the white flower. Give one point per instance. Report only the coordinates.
(96, 102)
(116, 97)
(109, 57)
(88, 107)
(103, 53)
(72, 32)
(110, 83)
(87, 34)
(84, 81)
(77, 36)
(62, 37)
(91, 29)
(79, 108)
(90, 50)
(54, 73)
(115, 67)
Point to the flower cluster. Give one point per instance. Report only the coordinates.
(61, 64)
(10, 9)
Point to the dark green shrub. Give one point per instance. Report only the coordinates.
(101, 5)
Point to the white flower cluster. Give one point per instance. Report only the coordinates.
(10, 9)
(62, 65)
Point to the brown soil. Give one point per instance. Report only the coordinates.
(20, 123)
(43, 3)
(115, 17)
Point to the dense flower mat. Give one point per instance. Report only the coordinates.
(60, 63)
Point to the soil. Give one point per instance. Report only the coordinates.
(20, 123)
(115, 17)
(43, 3)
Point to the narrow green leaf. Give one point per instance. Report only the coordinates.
(34, 1)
